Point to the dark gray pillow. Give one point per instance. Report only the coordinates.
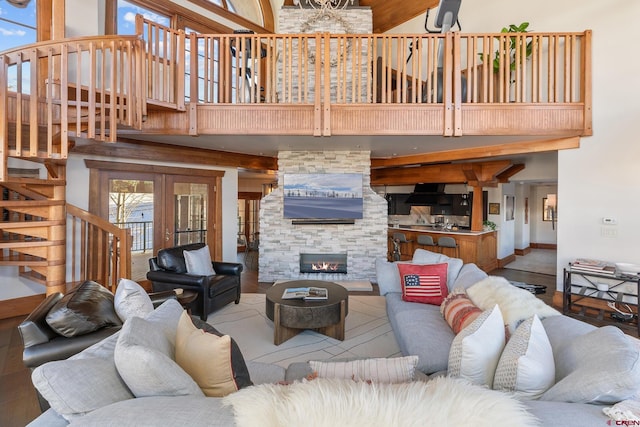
(86, 308)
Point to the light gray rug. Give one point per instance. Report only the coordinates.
(367, 333)
(541, 261)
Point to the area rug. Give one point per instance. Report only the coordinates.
(541, 261)
(331, 402)
(367, 333)
(350, 285)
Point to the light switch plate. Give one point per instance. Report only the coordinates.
(609, 221)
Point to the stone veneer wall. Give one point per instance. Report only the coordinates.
(356, 20)
(281, 242)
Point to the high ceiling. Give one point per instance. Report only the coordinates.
(388, 14)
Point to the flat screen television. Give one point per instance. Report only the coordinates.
(323, 196)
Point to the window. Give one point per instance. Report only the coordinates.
(17, 25)
(126, 17)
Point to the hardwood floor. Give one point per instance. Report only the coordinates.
(18, 401)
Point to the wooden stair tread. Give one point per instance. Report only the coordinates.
(31, 203)
(23, 260)
(35, 181)
(17, 244)
(29, 224)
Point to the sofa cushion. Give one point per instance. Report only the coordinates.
(423, 256)
(424, 283)
(420, 330)
(469, 275)
(76, 387)
(192, 411)
(86, 308)
(475, 351)
(198, 262)
(381, 370)
(144, 358)
(602, 366)
(526, 367)
(515, 304)
(206, 358)
(458, 310)
(131, 300)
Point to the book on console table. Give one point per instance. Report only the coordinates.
(594, 266)
(310, 293)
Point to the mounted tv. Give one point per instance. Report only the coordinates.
(323, 197)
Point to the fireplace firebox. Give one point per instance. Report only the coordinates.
(323, 263)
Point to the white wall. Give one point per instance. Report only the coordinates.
(599, 179)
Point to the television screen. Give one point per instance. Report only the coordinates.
(323, 196)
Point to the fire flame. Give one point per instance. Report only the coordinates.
(324, 266)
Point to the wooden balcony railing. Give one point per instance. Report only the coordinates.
(298, 84)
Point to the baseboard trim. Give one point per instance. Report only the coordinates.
(19, 306)
(506, 260)
(544, 246)
(524, 251)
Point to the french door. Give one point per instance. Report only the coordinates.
(162, 206)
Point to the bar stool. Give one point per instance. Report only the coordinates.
(450, 244)
(427, 242)
(399, 245)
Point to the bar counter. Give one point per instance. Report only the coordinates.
(478, 247)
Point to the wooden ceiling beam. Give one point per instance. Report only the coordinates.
(145, 150)
(503, 177)
(479, 173)
(482, 152)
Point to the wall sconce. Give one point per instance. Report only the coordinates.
(268, 189)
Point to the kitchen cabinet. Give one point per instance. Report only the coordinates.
(397, 205)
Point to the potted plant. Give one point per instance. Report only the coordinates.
(489, 225)
(511, 48)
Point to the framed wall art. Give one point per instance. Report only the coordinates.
(494, 208)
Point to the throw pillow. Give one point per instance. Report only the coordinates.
(426, 284)
(454, 265)
(387, 276)
(131, 300)
(458, 310)
(198, 262)
(86, 308)
(206, 357)
(144, 359)
(76, 387)
(515, 304)
(476, 350)
(602, 367)
(526, 367)
(381, 370)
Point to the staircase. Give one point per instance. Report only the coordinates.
(50, 94)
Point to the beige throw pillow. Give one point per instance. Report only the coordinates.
(206, 358)
(381, 370)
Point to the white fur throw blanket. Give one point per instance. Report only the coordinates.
(515, 304)
(328, 402)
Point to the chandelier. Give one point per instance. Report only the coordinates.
(324, 5)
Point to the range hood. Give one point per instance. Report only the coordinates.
(428, 195)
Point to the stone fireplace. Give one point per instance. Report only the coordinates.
(282, 242)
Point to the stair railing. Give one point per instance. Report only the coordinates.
(96, 249)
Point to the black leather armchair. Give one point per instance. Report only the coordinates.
(168, 271)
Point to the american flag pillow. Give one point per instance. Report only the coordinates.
(425, 283)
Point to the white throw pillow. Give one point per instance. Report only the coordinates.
(381, 370)
(476, 350)
(454, 265)
(198, 262)
(526, 367)
(131, 300)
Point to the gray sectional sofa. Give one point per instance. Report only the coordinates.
(590, 375)
(86, 390)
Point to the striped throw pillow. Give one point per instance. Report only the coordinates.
(424, 283)
(382, 370)
(458, 310)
